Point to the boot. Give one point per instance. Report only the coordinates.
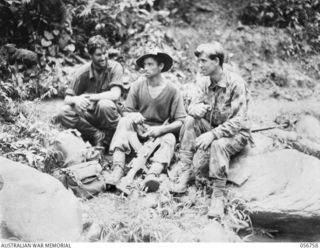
(181, 177)
(118, 168)
(115, 176)
(152, 181)
(185, 160)
(180, 184)
(216, 208)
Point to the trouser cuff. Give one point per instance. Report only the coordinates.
(219, 186)
(186, 157)
(119, 158)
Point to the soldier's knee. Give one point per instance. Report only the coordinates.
(65, 115)
(189, 120)
(125, 122)
(188, 123)
(169, 138)
(64, 110)
(106, 105)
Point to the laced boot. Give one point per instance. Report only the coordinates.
(151, 182)
(216, 209)
(181, 173)
(118, 168)
(217, 204)
(185, 159)
(180, 184)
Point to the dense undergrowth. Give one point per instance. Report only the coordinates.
(301, 19)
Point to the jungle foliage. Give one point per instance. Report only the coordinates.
(300, 17)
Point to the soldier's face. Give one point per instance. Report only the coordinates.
(99, 58)
(151, 67)
(206, 65)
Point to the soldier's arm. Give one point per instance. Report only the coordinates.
(178, 115)
(113, 94)
(115, 83)
(131, 104)
(73, 93)
(197, 107)
(172, 127)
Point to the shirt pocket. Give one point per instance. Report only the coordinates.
(222, 112)
(106, 82)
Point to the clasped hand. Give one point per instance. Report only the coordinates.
(199, 110)
(137, 117)
(152, 131)
(82, 102)
(204, 140)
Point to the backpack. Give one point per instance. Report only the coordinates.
(85, 179)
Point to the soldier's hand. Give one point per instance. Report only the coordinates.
(198, 110)
(204, 140)
(82, 102)
(137, 117)
(153, 131)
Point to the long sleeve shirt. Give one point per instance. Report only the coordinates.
(228, 101)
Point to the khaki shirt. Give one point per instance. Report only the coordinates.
(228, 101)
(85, 82)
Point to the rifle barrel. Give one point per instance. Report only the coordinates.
(270, 128)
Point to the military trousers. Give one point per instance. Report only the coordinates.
(213, 162)
(127, 138)
(104, 115)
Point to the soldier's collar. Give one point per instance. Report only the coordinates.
(221, 83)
(91, 75)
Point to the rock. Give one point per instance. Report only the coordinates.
(262, 144)
(298, 142)
(20, 55)
(94, 233)
(1, 182)
(36, 207)
(214, 232)
(282, 190)
(150, 200)
(308, 126)
(179, 235)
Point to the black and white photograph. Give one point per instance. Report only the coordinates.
(157, 121)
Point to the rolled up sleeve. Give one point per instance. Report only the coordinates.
(131, 104)
(116, 76)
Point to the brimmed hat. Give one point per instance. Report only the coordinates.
(163, 57)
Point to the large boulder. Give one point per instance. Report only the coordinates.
(261, 144)
(309, 127)
(211, 232)
(215, 232)
(35, 206)
(282, 189)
